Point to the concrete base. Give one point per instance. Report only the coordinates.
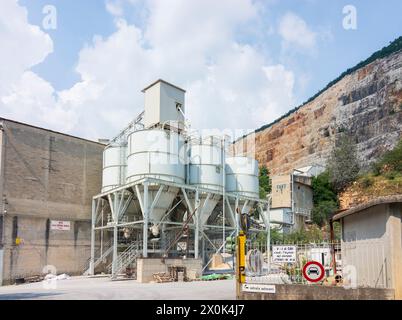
(305, 292)
(146, 267)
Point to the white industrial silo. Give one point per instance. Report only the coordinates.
(205, 171)
(158, 154)
(114, 167)
(158, 151)
(242, 179)
(242, 176)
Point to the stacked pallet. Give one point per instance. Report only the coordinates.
(162, 277)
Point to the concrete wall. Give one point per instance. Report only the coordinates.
(148, 266)
(305, 292)
(46, 176)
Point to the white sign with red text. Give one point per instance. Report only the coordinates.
(60, 225)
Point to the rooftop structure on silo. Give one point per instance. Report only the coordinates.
(164, 105)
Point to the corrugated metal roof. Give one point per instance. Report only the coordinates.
(372, 203)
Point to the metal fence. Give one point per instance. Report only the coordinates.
(284, 262)
(354, 264)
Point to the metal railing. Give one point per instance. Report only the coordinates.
(100, 255)
(127, 257)
(284, 262)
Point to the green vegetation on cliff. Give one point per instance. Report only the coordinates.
(384, 179)
(390, 163)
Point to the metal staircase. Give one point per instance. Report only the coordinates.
(126, 257)
(100, 259)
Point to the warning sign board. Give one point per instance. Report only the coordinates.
(313, 271)
(60, 225)
(284, 254)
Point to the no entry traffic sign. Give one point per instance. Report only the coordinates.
(313, 271)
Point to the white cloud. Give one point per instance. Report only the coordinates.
(295, 32)
(32, 100)
(24, 95)
(115, 7)
(22, 45)
(192, 44)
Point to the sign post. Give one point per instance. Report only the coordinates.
(240, 262)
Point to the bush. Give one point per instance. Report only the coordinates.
(391, 160)
(367, 182)
(376, 169)
(313, 234)
(390, 175)
(276, 236)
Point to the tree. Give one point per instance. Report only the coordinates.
(325, 199)
(323, 189)
(323, 211)
(265, 182)
(343, 165)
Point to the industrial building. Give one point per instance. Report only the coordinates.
(155, 197)
(372, 244)
(47, 181)
(292, 198)
(170, 197)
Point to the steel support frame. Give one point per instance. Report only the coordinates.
(118, 208)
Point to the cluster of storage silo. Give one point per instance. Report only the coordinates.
(164, 151)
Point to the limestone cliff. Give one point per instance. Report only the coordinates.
(366, 102)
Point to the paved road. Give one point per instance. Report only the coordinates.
(83, 288)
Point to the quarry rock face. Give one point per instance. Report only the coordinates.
(366, 103)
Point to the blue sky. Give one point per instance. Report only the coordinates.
(240, 59)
